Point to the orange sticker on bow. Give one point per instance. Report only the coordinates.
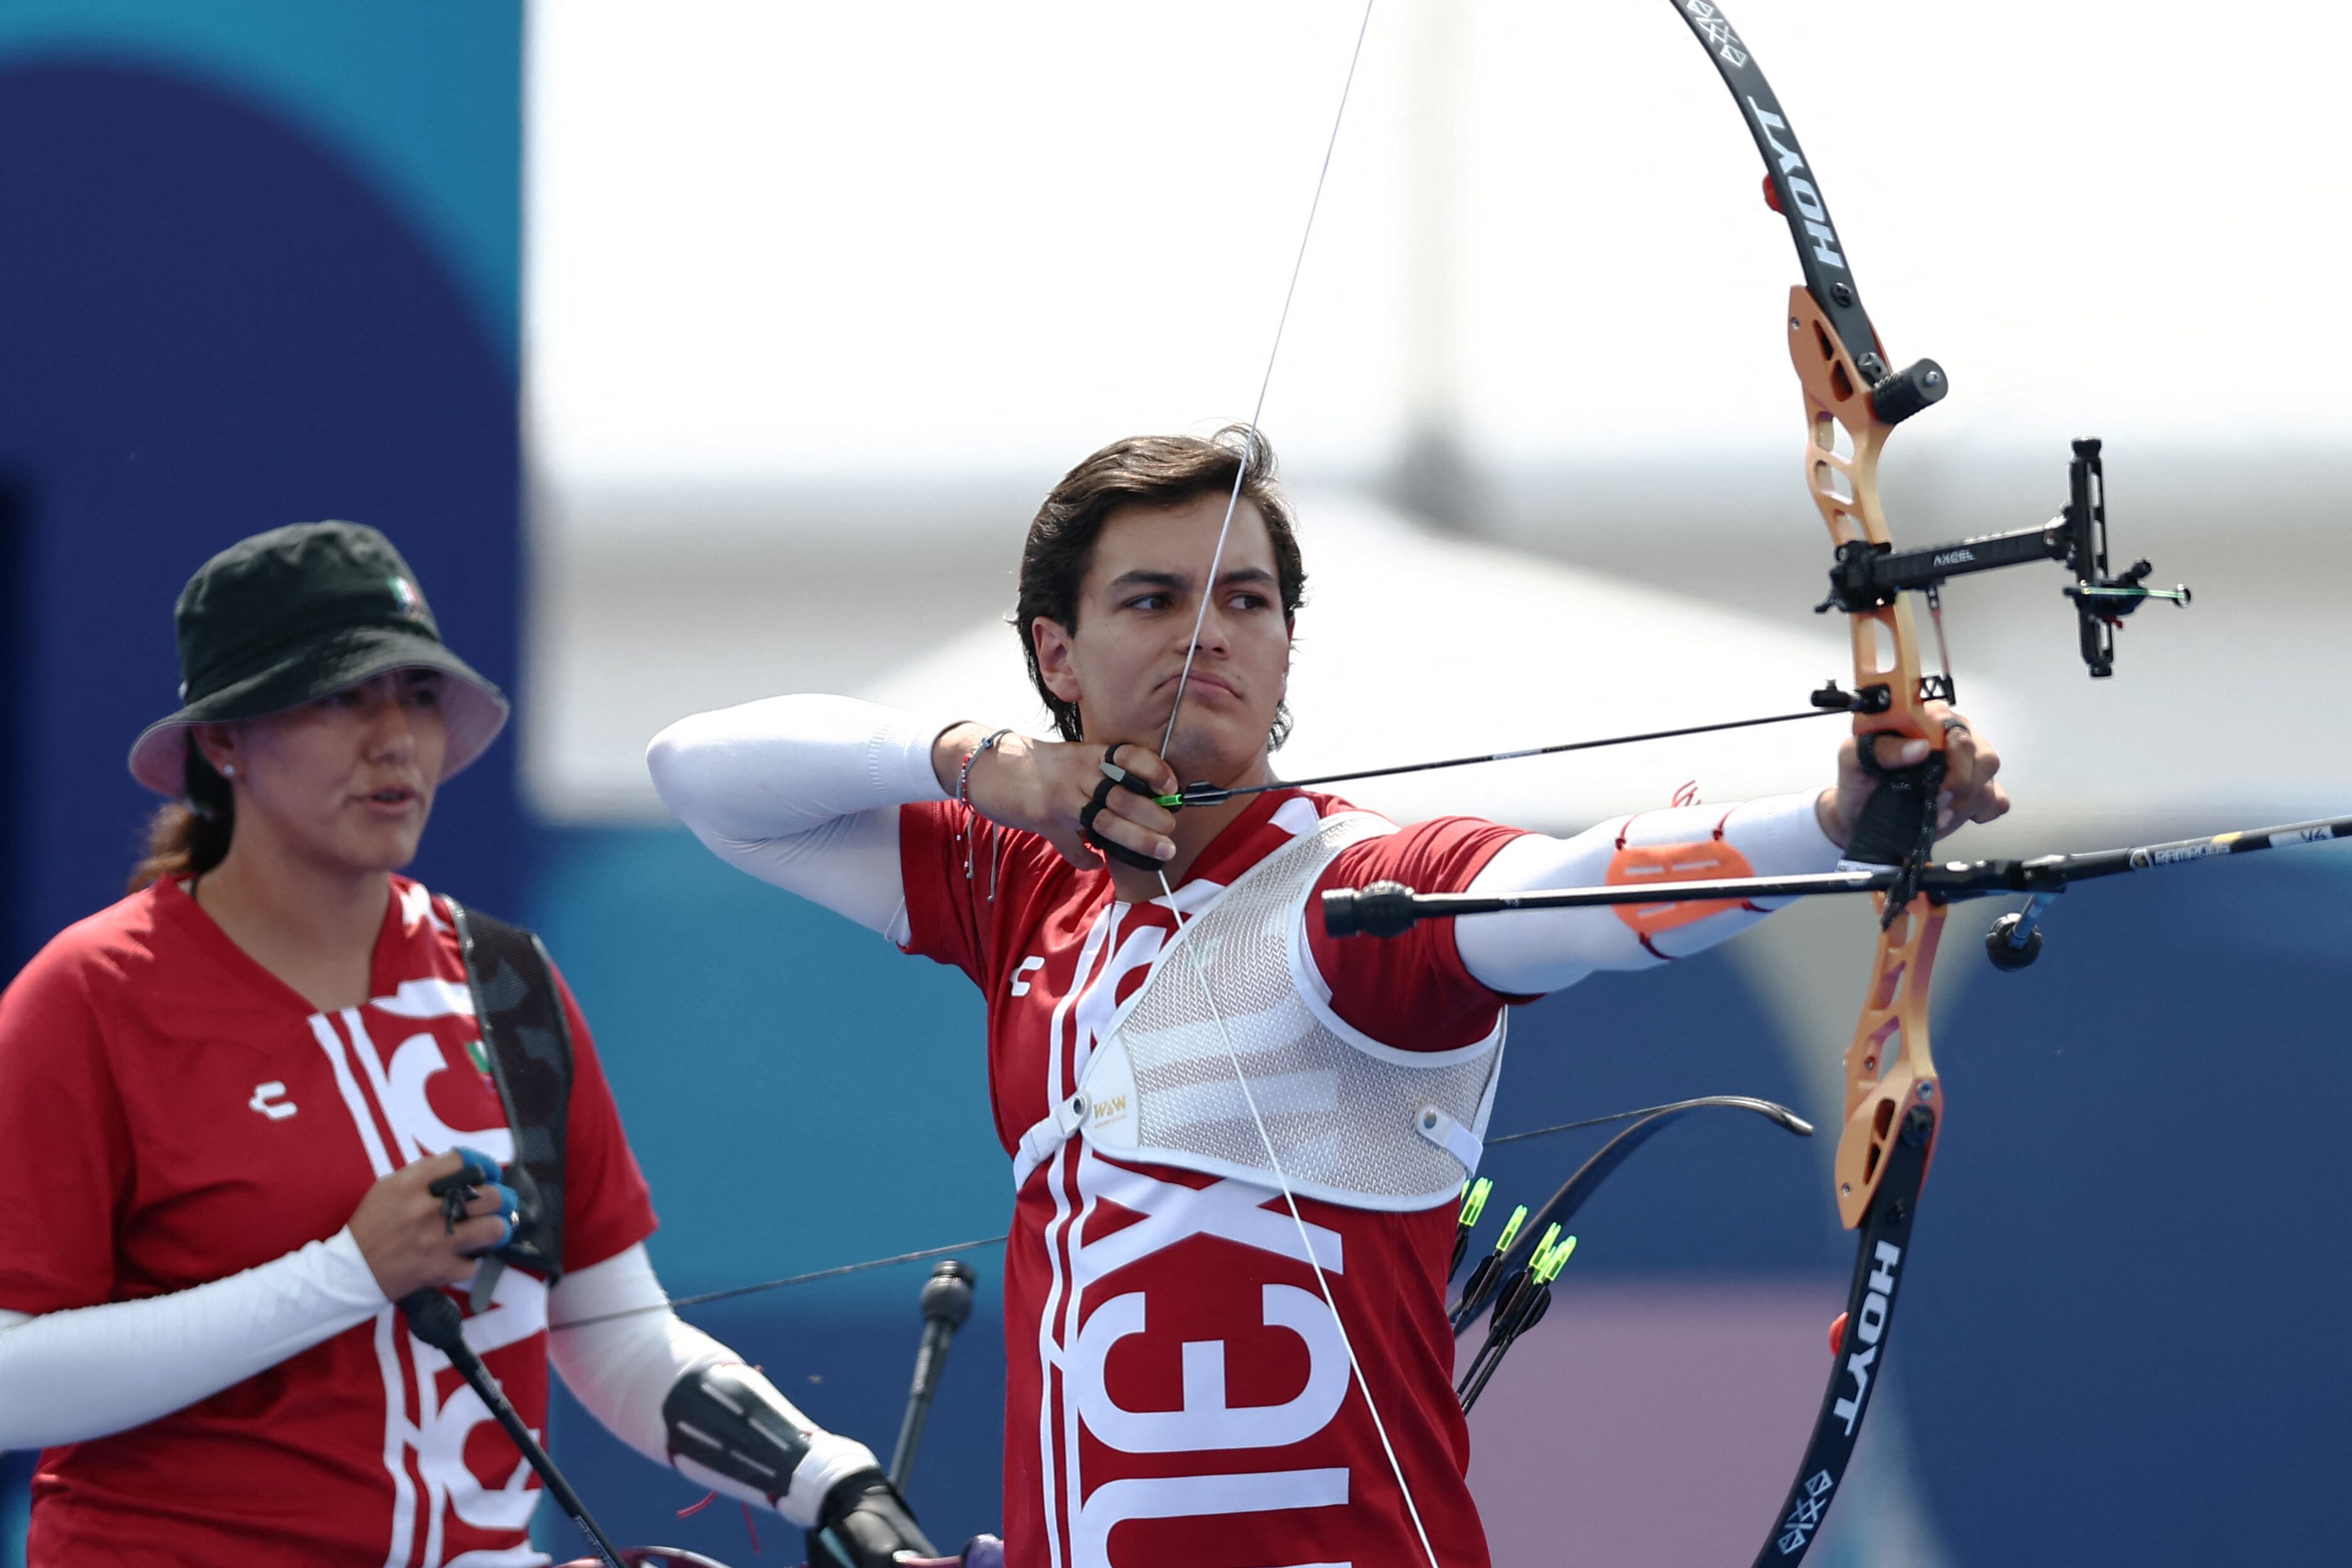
(1706, 860)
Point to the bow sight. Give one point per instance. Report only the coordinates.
(1868, 576)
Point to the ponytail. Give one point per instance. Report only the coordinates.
(188, 837)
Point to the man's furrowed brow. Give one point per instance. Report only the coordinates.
(1144, 577)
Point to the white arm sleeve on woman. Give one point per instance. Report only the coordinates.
(89, 1370)
(623, 1367)
(1527, 952)
(805, 791)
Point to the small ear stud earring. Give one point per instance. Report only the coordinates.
(228, 769)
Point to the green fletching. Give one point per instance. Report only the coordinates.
(1552, 1259)
(1511, 1231)
(1543, 1251)
(1473, 1201)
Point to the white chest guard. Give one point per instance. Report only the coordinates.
(1353, 1121)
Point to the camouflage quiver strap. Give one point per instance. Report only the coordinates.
(528, 1039)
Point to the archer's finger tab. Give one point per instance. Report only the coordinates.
(1110, 848)
(1123, 777)
(477, 1168)
(460, 1184)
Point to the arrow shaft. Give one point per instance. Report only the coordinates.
(1211, 794)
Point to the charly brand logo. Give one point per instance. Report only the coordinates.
(1806, 1516)
(404, 599)
(1110, 1110)
(1815, 213)
(1718, 31)
(1868, 1326)
(1953, 557)
(269, 1099)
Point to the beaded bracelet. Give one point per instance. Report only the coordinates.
(964, 773)
(963, 798)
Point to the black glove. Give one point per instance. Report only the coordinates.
(864, 1523)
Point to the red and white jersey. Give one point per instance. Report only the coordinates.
(1178, 1393)
(172, 1113)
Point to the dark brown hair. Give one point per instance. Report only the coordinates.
(189, 837)
(1144, 470)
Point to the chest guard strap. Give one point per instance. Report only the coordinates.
(528, 1040)
(1353, 1121)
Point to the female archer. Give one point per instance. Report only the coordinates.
(233, 1105)
(1235, 1141)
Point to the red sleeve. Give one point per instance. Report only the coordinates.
(1412, 991)
(65, 1150)
(974, 890)
(607, 1208)
(943, 924)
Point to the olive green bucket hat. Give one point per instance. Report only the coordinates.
(300, 613)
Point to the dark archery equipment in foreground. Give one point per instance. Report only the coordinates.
(946, 1303)
(434, 1318)
(1514, 1279)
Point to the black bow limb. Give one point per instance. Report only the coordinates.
(1518, 1253)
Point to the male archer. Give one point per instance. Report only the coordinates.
(1181, 1386)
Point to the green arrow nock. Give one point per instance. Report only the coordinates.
(1473, 1201)
(1511, 1231)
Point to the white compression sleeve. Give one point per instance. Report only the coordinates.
(1524, 954)
(624, 1368)
(88, 1370)
(804, 792)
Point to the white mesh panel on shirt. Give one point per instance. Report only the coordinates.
(1340, 1117)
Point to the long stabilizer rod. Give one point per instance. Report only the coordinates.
(1388, 909)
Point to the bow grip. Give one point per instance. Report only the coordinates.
(1898, 820)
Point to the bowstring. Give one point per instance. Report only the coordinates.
(1168, 739)
(1266, 381)
(977, 1244)
(838, 1271)
(1305, 1243)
